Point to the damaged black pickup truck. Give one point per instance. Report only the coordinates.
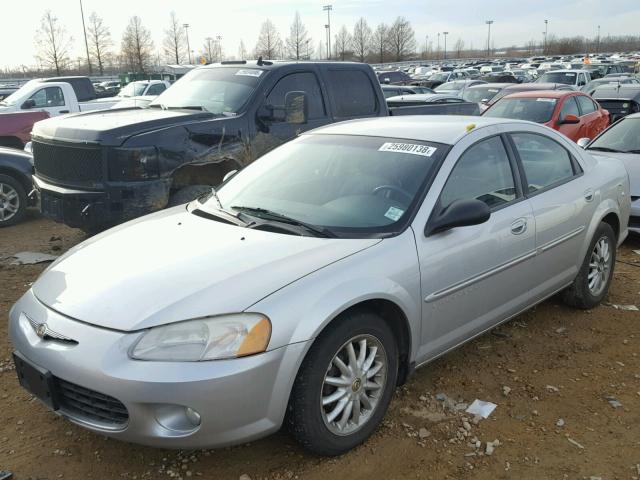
(98, 169)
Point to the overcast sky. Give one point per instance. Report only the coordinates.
(516, 22)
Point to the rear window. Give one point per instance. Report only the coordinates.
(353, 93)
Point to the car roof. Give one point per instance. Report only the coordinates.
(535, 86)
(447, 129)
(491, 85)
(543, 94)
(566, 70)
(427, 97)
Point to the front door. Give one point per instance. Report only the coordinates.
(473, 277)
(51, 100)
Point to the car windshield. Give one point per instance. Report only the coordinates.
(345, 184)
(439, 77)
(567, 78)
(17, 95)
(537, 110)
(222, 90)
(624, 136)
(450, 86)
(480, 94)
(133, 89)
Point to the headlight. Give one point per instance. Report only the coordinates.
(212, 338)
(139, 163)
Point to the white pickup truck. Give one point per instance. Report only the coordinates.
(55, 96)
(574, 78)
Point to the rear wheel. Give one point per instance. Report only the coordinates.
(594, 278)
(13, 201)
(345, 384)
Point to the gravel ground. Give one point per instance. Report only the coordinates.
(566, 382)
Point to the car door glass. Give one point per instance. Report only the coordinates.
(299, 82)
(545, 162)
(570, 107)
(156, 89)
(586, 105)
(354, 93)
(484, 173)
(48, 97)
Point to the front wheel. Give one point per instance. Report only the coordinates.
(13, 201)
(345, 384)
(594, 278)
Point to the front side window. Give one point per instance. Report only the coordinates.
(570, 107)
(344, 183)
(586, 105)
(48, 97)
(299, 82)
(545, 162)
(156, 89)
(539, 110)
(483, 173)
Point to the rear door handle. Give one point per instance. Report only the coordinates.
(519, 226)
(63, 111)
(588, 195)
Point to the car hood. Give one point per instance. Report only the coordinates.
(174, 265)
(116, 125)
(631, 162)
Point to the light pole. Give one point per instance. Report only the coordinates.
(209, 40)
(445, 44)
(598, 48)
(438, 55)
(426, 46)
(86, 44)
(489, 23)
(328, 8)
(186, 29)
(219, 42)
(326, 34)
(546, 31)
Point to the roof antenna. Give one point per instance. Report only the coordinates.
(259, 62)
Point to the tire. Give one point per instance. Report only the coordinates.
(580, 294)
(187, 194)
(13, 200)
(308, 420)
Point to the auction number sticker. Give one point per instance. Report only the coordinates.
(412, 148)
(249, 73)
(394, 213)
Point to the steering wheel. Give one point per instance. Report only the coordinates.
(393, 188)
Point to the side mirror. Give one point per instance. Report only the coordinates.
(569, 119)
(228, 175)
(583, 142)
(28, 104)
(461, 213)
(296, 107)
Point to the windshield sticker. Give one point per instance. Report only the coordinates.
(493, 90)
(570, 74)
(550, 100)
(412, 148)
(394, 213)
(249, 73)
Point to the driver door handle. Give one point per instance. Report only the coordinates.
(519, 226)
(588, 195)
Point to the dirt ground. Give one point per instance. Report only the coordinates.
(555, 374)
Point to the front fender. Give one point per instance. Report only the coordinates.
(386, 271)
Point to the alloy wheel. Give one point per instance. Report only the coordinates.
(9, 202)
(599, 266)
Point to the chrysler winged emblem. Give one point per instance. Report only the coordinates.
(41, 331)
(44, 332)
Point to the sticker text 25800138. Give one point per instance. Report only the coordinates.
(412, 148)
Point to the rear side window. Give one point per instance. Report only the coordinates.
(586, 105)
(156, 89)
(353, 93)
(483, 173)
(299, 82)
(545, 162)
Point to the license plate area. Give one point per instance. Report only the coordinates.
(36, 380)
(51, 206)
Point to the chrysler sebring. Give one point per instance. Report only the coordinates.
(315, 280)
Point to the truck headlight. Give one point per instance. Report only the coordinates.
(211, 338)
(138, 163)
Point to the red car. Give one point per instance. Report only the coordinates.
(575, 114)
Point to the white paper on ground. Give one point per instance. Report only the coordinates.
(479, 407)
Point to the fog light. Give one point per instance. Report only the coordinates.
(193, 416)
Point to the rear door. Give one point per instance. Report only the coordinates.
(475, 276)
(563, 203)
(593, 118)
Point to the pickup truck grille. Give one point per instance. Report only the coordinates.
(68, 165)
(619, 108)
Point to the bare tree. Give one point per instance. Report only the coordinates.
(99, 41)
(298, 40)
(361, 41)
(342, 44)
(242, 51)
(321, 51)
(269, 43)
(174, 41)
(458, 47)
(209, 50)
(402, 40)
(53, 43)
(380, 42)
(137, 46)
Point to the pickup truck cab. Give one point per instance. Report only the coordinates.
(97, 169)
(575, 78)
(54, 96)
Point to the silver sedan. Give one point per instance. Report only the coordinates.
(316, 280)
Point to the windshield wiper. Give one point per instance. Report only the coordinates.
(605, 149)
(279, 217)
(635, 150)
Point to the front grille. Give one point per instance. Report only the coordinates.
(91, 406)
(69, 165)
(617, 109)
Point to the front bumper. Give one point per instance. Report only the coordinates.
(114, 204)
(238, 400)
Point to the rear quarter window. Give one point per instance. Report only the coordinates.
(353, 93)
